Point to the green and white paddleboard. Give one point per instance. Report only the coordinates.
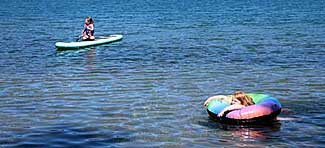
(98, 41)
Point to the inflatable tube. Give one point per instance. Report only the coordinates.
(265, 108)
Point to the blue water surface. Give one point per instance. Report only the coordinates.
(148, 89)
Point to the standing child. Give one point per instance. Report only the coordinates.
(88, 31)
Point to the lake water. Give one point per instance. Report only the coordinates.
(148, 89)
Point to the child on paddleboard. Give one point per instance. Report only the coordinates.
(88, 31)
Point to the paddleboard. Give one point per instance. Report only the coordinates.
(98, 41)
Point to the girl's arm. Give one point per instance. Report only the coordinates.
(91, 27)
(229, 108)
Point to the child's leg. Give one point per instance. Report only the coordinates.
(85, 36)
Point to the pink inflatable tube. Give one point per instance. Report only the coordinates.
(265, 108)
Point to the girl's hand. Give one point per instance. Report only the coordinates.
(207, 101)
(221, 114)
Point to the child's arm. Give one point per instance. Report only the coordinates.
(229, 108)
(90, 27)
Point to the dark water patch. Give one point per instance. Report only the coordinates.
(68, 135)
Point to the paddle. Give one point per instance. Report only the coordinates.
(79, 37)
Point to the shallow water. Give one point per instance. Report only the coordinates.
(147, 90)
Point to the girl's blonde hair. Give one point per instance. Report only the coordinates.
(243, 98)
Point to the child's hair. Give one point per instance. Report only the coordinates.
(243, 98)
(90, 20)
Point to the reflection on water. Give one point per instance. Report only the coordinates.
(91, 56)
(253, 132)
(256, 132)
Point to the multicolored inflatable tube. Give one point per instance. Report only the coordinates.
(265, 108)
